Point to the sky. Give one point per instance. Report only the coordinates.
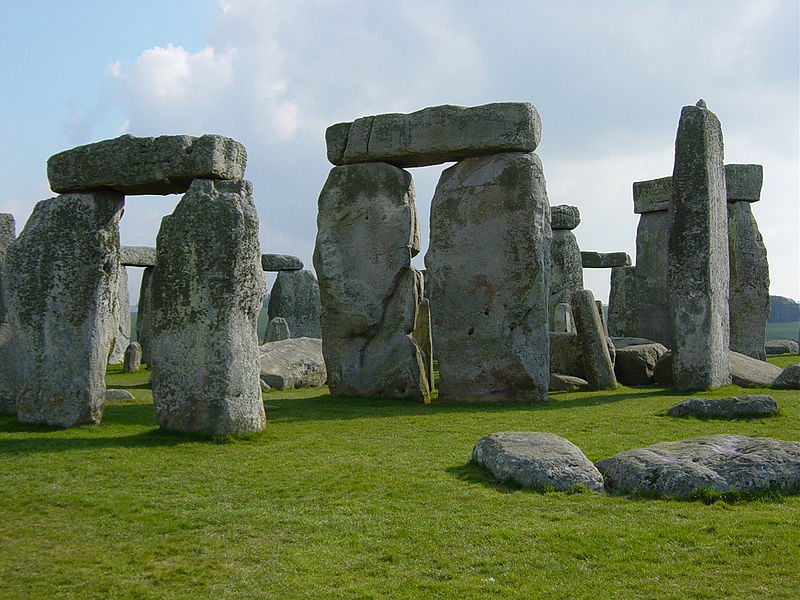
(608, 79)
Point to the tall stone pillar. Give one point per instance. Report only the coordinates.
(623, 303)
(295, 297)
(566, 271)
(120, 326)
(7, 234)
(143, 314)
(489, 261)
(8, 374)
(367, 233)
(698, 270)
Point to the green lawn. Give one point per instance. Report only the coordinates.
(358, 498)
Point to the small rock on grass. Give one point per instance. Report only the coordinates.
(735, 407)
(118, 395)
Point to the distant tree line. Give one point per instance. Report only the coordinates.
(783, 310)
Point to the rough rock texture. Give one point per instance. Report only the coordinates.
(781, 347)
(717, 462)
(7, 235)
(206, 294)
(137, 256)
(735, 407)
(697, 269)
(559, 382)
(789, 379)
(143, 314)
(624, 342)
(539, 460)
(148, 165)
(133, 358)
(602, 314)
(111, 395)
(566, 354)
(367, 233)
(623, 302)
(745, 371)
(635, 365)
(650, 196)
(748, 301)
(605, 260)
(566, 272)
(280, 262)
(564, 216)
(652, 289)
(436, 134)
(424, 338)
(561, 321)
(277, 330)
(120, 326)
(295, 297)
(597, 362)
(293, 363)
(489, 258)
(61, 274)
(8, 372)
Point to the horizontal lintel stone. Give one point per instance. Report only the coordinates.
(280, 262)
(605, 260)
(137, 256)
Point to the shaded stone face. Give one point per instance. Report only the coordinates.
(120, 326)
(280, 262)
(623, 302)
(597, 363)
(207, 290)
(489, 261)
(698, 269)
(367, 233)
(7, 229)
(137, 256)
(295, 297)
(564, 216)
(566, 272)
(133, 358)
(143, 314)
(652, 290)
(62, 275)
(277, 329)
(604, 260)
(436, 134)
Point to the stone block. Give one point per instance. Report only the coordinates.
(295, 297)
(566, 272)
(564, 216)
(280, 262)
(137, 256)
(597, 362)
(604, 260)
(623, 302)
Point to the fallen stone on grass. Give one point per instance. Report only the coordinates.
(734, 407)
(559, 382)
(293, 363)
(634, 365)
(118, 395)
(538, 460)
(745, 371)
(781, 347)
(789, 379)
(722, 463)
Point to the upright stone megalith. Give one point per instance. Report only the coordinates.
(7, 234)
(698, 254)
(295, 297)
(489, 261)
(597, 363)
(367, 233)
(120, 325)
(143, 314)
(623, 303)
(62, 276)
(566, 271)
(207, 288)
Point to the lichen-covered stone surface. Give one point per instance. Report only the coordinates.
(697, 266)
(207, 290)
(8, 371)
(62, 278)
(367, 233)
(538, 460)
(712, 462)
(293, 363)
(653, 319)
(7, 235)
(280, 262)
(560, 382)
(295, 297)
(597, 363)
(604, 260)
(789, 379)
(745, 371)
(566, 354)
(120, 327)
(436, 134)
(489, 260)
(137, 256)
(133, 358)
(623, 302)
(564, 216)
(734, 407)
(146, 165)
(566, 272)
(143, 314)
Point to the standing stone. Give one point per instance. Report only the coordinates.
(367, 233)
(652, 288)
(698, 254)
(143, 314)
(295, 297)
(423, 337)
(8, 371)
(62, 276)
(562, 321)
(489, 260)
(207, 289)
(602, 314)
(596, 358)
(120, 326)
(7, 234)
(622, 302)
(133, 358)
(277, 330)
(566, 272)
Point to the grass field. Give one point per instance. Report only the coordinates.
(360, 498)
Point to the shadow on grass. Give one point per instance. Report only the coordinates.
(151, 438)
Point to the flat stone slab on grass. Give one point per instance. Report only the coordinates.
(146, 165)
(538, 460)
(735, 407)
(280, 262)
(789, 379)
(137, 256)
(560, 383)
(745, 371)
(293, 363)
(605, 260)
(112, 394)
(781, 347)
(724, 463)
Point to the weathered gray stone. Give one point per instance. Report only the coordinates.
(560, 382)
(735, 407)
(652, 289)
(423, 337)
(562, 321)
(623, 302)
(119, 330)
(159, 165)
(111, 395)
(61, 274)
(436, 134)
(7, 235)
(8, 371)
(711, 462)
(596, 358)
(293, 363)
(144, 314)
(133, 358)
(137, 256)
(538, 460)
(564, 216)
(745, 371)
(277, 330)
(624, 342)
(653, 195)
(748, 301)
(489, 258)
(566, 354)
(280, 262)
(635, 365)
(697, 269)
(789, 379)
(602, 314)
(207, 290)
(295, 297)
(781, 347)
(566, 272)
(604, 260)
(367, 233)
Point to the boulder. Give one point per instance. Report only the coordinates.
(295, 297)
(781, 347)
(112, 395)
(635, 365)
(537, 460)
(566, 354)
(789, 379)
(724, 463)
(436, 134)
(148, 165)
(277, 329)
(745, 371)
(597, 363)
(280, 262)
(564, 216)
(604, 260)
(137, 256)
(559, 382)
(133, 358)
(293, 363)
(735, 407)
